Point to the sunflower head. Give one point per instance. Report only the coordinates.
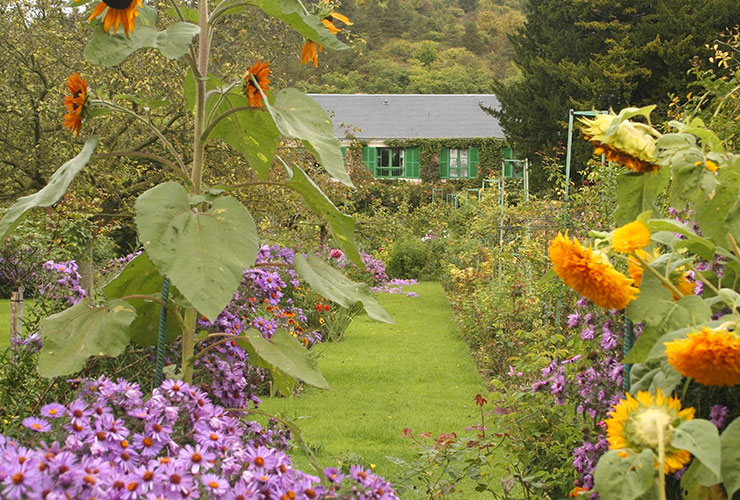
(630, 237)
(590, 273)
(643, 422)
(261, 72)
(631, 145)
(120, 12)
(709, 356)
(76, 102)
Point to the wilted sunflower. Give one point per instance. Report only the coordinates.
(590, 273)
(634, 423)
(711, 357)
(261, 72)
(630, 237)
(632, 145)
(309, 53)
(75, 102)
(119, 12)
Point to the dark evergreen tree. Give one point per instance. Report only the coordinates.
(598, 55)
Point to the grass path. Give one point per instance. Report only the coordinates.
(416, 373)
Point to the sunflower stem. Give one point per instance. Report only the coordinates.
(666, 282)
(701, 278)
(661, 461)
(204, 38)
(188, 345)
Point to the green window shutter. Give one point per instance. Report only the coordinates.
(473, 162)
(444, 163)
(411, 160)
(344, 154)
(370, 157)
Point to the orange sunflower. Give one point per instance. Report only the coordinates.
(75, 102)
(261, 72)
(633, 424)
(120, 12)
(711, 357)
(309, 53)
(631, 146)
(630, 237)
(590, 273)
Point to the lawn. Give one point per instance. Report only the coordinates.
(416, 373)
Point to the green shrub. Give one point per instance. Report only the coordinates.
(407, 259)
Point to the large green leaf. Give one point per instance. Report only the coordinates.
(342, 226)
(624, 478)
(283, 353)
(731, 457)
(49, 194)
(702, 247)
(335, 286)
(301, 117)
(202, 253)
(719, 212)
(106, 49)
(141, 277)
(698, 483)
(664, 377)
(636, 193)
(701, 439)
(73, 335)
(291, 12)
(252, 132)
(655, 307)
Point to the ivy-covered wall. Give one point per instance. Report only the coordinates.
(489, 151)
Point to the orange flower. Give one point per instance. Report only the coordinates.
(75, 102)
(711, 357)
(120, 12)
(590, 274)
(309, 53)
(261, 72)
(631, 237)
(330, 24)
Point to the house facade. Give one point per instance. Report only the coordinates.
(402, 132)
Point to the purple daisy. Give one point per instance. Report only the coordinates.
(36, 424)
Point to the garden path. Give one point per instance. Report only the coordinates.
(417, 373)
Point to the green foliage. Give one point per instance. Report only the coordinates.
(617, 477)
(81, 331)
(407, 258)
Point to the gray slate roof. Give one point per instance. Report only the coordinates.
(407, 116)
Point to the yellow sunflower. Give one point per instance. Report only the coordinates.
(711, 357)
(309, 53)
(120, 12)
(75, 102)
(635, 423)
(631, 146)
(590, 273)
(261, 72)
(630, 237)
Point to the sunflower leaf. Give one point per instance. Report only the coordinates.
(636, 193)
(342, 225)
(701, 438)
(623, 474)
(203, 253)
(731, 457)
(105, 49)
(73, 335)
(51, 193)
(292, 13)
(335, 286)
(301, 117)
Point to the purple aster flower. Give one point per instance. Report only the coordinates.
(20, 480)
(717, 415)
(214, 485)
(36, 424)
(52, 410)
(333, 475)
(196, 458)
(574, 319)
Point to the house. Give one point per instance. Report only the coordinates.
(401, 133)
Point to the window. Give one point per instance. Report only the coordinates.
(458, 163)
(390, 162)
